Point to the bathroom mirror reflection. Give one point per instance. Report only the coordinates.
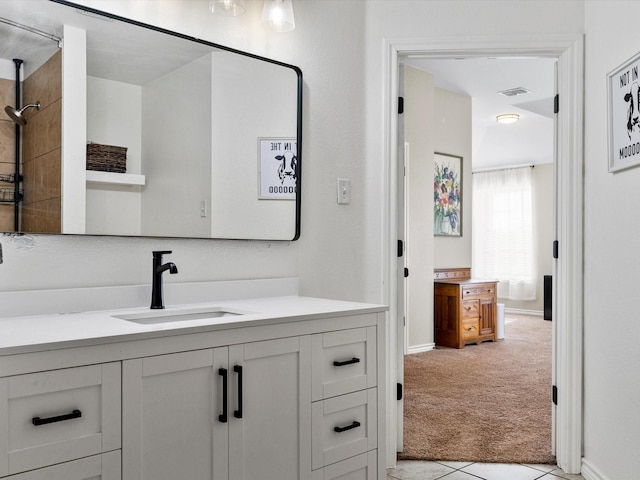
(113, 127)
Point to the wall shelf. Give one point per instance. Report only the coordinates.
(94, 176)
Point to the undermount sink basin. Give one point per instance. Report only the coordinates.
(166, 316)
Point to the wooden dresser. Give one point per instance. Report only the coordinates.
(464, 308)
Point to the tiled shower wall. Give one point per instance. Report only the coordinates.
(41, 149)
(7, 152)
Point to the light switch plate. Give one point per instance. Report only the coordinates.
(344, 191)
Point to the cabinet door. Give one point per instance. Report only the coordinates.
(487, 316)
(270, 402)
(98, 467)
(171, 409)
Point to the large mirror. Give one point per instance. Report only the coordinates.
(113, 127)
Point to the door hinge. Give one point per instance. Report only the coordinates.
(556, 103)
(400, 248)
(399, 391)
(555, 248)
(400, 105)
(554, 395)
(406, 272)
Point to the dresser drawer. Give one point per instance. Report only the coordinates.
(343, 427)
(360, 467)
(57, 416)
(470, 328)
(343, 361)
(479, 290)
(470, 309)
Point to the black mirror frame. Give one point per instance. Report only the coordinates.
(239, 52)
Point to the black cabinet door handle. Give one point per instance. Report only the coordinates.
(225, 381)
(346, 362)
(37, 421)
(238, 413)
(353, 425)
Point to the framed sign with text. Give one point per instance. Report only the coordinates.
(624, 115)
(277, 168)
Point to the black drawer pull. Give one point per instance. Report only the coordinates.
(223, 373)
(60, 418)
(346, 362)
(355, 424)
(238, 413)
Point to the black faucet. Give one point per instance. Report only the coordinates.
(156, 291)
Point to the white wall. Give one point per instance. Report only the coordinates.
(237, 124)
(452, 126)
(114, 117)
(611, 353)
(172, 139)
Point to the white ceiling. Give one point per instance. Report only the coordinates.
(527, 142)
(110, 49)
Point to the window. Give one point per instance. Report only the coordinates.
(503, 244)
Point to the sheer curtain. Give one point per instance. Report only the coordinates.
(503, 244)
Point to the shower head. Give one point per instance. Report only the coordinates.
(16, 115)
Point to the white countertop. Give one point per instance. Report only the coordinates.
(28, 334)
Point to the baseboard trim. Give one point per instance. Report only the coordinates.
(589, 472)
(521, 311)
(421, 348)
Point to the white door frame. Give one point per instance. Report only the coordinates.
(568, 274)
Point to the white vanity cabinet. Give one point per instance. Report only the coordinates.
(177, 423)
(292, 396)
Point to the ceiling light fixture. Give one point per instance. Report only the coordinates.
(507, 118)
(278, 15)
(227, 8)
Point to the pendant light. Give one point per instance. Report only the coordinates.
(278, 15)
(227, 8)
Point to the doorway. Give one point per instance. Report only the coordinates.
(567, 363)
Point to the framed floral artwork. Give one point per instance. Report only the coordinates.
(447, 195)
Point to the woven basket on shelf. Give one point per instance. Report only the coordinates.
(106, 158)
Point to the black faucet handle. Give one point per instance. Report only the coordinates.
(161, 252)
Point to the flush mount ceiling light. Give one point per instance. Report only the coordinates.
(507, 118)
(227, 8)
(278, 15)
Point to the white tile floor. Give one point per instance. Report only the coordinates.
(413, 470)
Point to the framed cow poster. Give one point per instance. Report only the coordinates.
(624, 115)
(277, 168)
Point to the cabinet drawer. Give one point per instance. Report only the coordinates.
(470, 309)
(342, 362)
(481, 290)
(57, 416)
(97, 467)
(360, 467)
(342, 427)
(470, 328)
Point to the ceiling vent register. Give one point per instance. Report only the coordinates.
(513, 92)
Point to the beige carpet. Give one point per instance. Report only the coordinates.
(485, 403)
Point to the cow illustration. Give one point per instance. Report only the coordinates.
(288, 166)
(633, 111)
